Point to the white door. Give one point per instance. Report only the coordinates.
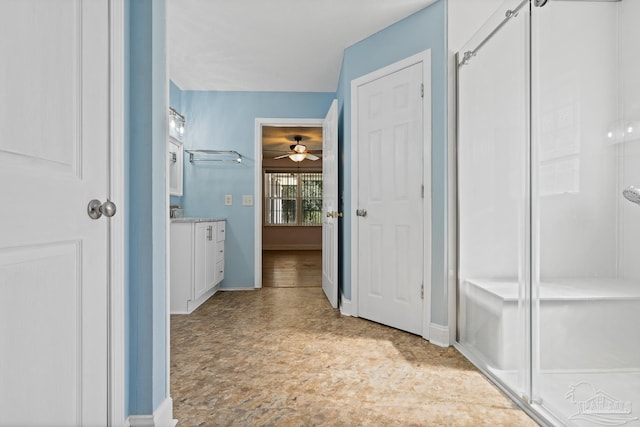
(54, 129)
(390, 199)
(330, 205)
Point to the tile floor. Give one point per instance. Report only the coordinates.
(284, 357)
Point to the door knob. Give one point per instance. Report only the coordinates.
(361, 212)
(95, 209)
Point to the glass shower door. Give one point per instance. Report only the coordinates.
(586, 233)
(493, 194)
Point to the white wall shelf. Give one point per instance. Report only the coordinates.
(214, 156)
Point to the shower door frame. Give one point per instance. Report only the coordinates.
(527, 402)
(530, 402)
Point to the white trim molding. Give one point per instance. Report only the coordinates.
(162, 417)
(116, 381)
(237, 288)
(346, 309)
(439, 335)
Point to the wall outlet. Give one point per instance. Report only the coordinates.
(228, 200)
(247, 200)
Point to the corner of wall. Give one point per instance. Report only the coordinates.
(439, 335)
(162, 417)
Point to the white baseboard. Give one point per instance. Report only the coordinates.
(139, 421)
(346, 308)
(439, 335)
(238, 288)
(162, 417)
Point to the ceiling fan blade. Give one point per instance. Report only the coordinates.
(281, 157)
(312, 157)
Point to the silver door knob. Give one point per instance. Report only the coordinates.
(361, 212)
(96, 209)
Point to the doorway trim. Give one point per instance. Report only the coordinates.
(423, 57)
(117, 245)
(258, 190)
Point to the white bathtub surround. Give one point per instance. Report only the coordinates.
(548, 271)
(583, 323)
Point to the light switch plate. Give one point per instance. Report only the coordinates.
(228, 200)
(247, 200)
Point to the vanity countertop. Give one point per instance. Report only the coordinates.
(197, 219)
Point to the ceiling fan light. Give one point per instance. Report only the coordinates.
(297, 157)
(300, 148)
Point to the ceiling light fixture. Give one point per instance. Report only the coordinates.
(176, 122)
(297, 157)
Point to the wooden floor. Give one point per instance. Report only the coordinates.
(291, 269)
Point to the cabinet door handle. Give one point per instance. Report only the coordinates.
(210, 232)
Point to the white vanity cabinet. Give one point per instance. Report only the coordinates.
(219, 272)
(196, 262)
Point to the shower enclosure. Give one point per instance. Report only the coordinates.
(549, 207)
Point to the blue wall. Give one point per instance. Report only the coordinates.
(226, 121)
(146, 319)
(423, 30)
(175, 97)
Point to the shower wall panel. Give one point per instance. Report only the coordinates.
(629, 129)
(576, 84)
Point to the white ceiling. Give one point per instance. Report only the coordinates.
(271, 45)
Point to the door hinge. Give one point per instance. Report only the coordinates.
(422, 291)
(421, 90)
(422, 192)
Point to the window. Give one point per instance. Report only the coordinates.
(293, 198)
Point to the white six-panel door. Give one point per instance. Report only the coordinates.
(54, 130)
(390, 259)
(330, 205)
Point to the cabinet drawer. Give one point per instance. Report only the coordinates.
(220, 252)
(220, 234)
(219, 271)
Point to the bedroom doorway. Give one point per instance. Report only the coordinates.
(289, 188)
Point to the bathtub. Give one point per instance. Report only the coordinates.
(585, 324)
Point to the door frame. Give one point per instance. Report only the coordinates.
(423, 57)
(116, 311)
(258, 190)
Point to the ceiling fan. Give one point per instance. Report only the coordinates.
(298, 152)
